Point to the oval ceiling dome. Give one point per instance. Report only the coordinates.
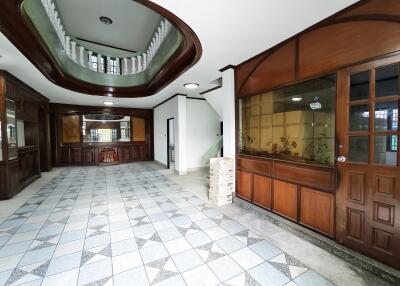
(120, 48)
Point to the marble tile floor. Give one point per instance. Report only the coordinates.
(131, 225)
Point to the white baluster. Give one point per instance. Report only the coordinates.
(99, 68)
(90, 54)
(67, 46)
(125, 68)
(118, 65)
(139, 63)
(133, 65)
(63, 38)
(108, 65)
(81, 59)
(73, 50)
(144, 61)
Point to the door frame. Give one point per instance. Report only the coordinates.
(168, 131)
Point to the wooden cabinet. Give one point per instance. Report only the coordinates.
(244, 185)
(262, 191)
(317, 210)
(20, 140)
(285, 199)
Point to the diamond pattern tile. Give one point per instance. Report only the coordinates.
(108, 225)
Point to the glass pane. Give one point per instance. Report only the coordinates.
(386, 115)
(293, 123)
(359, 86)
(11, 130)
(70, 129)
(385, 151)
(387, 81)
(358, 149)
(106, 128)
(359, 118)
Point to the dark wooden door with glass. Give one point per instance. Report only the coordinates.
(368, 195)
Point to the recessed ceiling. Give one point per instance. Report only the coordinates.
(225, 40)
(132, 23)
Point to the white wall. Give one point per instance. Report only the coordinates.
(161, 113)
(228, 112)
(216, 99)
(203, 130)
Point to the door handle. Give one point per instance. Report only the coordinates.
(341, 159)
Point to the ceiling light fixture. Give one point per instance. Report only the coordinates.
(191, 85)
(297, 99)
(105, 20)
(108, 103)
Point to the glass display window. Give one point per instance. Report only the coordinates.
(106, 128)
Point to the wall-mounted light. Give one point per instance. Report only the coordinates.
(191, 85)
(108, 103)
(297, 99)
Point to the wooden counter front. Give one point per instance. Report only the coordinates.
(300, 192)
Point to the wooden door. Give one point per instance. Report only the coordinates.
(368, 195)
(245, 185)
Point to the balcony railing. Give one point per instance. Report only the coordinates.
(85, 57)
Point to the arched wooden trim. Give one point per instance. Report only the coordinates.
(17, 29)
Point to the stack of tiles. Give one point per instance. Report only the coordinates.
(221, 181)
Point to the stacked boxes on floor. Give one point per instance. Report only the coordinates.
(221, 181)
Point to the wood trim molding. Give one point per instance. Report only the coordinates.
(20, 33)
(227, 68)
(169, 98)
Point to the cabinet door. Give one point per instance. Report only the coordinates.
(244, 185)
(285, 199)
(262, 191)
(317, 210)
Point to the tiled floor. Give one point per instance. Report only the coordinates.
(131, 225)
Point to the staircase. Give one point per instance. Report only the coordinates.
(213, 151)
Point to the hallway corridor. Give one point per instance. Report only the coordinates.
(131, 225)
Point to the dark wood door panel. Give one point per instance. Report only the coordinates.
(244, 185)
(89, 156)
(317, 210)
(368, 195)
(262, 191)
(285, 199)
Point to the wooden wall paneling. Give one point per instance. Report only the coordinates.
(374, 7)
(317, 210)
(320, 53)
(125, 154)
(285, 199)
(259, 166)
(262, 191)
(12, 176)
(322, 178)
(276, 69)
(244, 185)
(89, 155)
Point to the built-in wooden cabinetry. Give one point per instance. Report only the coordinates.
(24, 135)
(305, 199)
(70, 149)
(356, 200)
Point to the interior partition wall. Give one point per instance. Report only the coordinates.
(85, 135)
(317, 129)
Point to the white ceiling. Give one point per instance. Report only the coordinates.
(230, 31)
(132, 28)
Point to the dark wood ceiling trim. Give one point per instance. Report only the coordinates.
(105, 45)
(195, 98)
(227, 68)
(169, 98)
(20, 32)
(210, 90)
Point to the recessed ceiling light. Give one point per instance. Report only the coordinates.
(105, 20)
(191, 85)
(108, 103)
(297, 98)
